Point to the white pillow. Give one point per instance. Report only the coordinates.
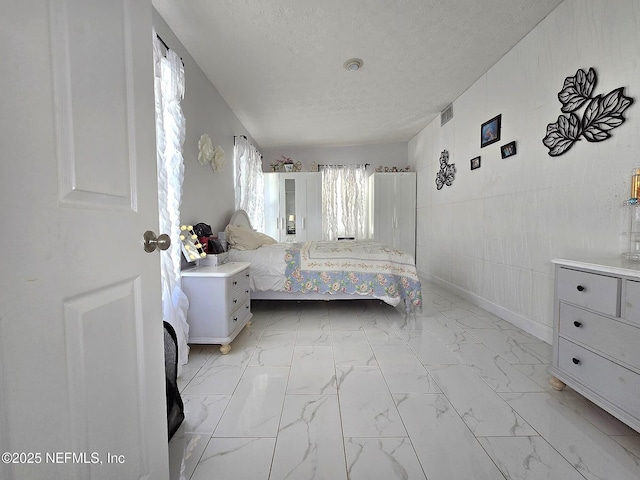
(243, 238)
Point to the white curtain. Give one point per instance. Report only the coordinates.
(249, 186)
(344, 201)
(170, 132)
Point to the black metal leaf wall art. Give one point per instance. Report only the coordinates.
(601, 115)
(447, 173)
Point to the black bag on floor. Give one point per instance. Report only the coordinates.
(175, 407)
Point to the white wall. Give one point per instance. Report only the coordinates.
(385, 155)
(492, 234)
(208, 197)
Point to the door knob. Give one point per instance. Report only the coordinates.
(151, 242)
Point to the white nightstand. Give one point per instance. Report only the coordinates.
(219, 302)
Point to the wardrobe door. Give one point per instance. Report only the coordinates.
(312, 222)
(405, 213)
(292, 206)
(381, 189)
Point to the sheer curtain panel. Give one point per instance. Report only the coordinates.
(344, 201)
(249, 186)
(170, 132)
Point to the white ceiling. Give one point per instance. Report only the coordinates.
(279, 63)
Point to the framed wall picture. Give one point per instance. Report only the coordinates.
(508, 149)
(490, 131)
(475, 163)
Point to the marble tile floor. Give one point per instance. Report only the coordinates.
(358, 390)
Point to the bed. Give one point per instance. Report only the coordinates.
(322, 270)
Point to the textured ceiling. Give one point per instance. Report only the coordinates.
(279, 63)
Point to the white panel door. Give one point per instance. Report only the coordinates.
(82, 390)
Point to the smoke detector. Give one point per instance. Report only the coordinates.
(353, 64)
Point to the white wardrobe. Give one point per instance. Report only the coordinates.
(392, 210)
(293, 206)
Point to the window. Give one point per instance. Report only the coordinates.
(249, 186)
(344, 201)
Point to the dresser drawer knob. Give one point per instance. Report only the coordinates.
(235, 300)
(577, 324)
(236, 319)
(580, 288)
(575, 361)
(235, 282)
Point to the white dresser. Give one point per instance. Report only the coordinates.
(596, 343)
(219, 302)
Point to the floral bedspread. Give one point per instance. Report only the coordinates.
(353, 266)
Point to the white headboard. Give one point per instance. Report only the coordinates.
(240, 219)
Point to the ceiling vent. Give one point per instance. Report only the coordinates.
(446, 115)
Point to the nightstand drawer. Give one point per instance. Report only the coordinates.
(616, 339)
(589, 290)
(238, 297)
(238, 315)
(613, 382)
(238, 280)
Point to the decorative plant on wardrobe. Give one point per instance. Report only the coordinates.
(601, 115)
(278, 165)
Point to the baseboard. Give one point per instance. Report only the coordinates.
(543, 332)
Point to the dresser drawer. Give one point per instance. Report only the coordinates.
(613, 382)
(632, 301)
(614, 338)
(589, 290)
